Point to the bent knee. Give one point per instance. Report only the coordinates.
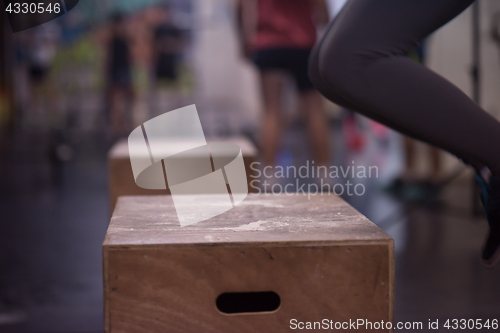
(335, 72)
(340, 68)
(313, 71)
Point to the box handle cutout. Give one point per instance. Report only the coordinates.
(248, 302)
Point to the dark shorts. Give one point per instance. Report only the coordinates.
(167, 67)
(291, 60)
(38, 73)
(121, 78)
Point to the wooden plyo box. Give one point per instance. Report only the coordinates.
(320, 256)
(121, 179)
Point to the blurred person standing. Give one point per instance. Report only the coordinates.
(41, 48)
(278, 35)
(119, 78)
(168, 46)
(168, 43)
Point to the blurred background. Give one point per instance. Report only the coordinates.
(72, 87)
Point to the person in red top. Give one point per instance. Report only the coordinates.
(278, 36)
(284, 24)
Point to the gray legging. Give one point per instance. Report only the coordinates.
(361, 63)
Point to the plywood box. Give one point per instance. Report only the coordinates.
(121, 180)
(314, 259)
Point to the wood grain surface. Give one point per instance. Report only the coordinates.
(323, 258)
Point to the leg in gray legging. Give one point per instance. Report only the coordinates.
(361, 63)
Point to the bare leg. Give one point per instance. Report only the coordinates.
(435, 163)
(272, 85)
(317, 125)
(113, 109)
(434, 155)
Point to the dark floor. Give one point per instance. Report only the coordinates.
(51, 233)
(54, 218)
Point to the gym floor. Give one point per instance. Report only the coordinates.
(54, 217)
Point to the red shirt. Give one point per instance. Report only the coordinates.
(284, 23)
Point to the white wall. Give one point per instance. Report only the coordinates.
(450, 54)
(223, 78)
